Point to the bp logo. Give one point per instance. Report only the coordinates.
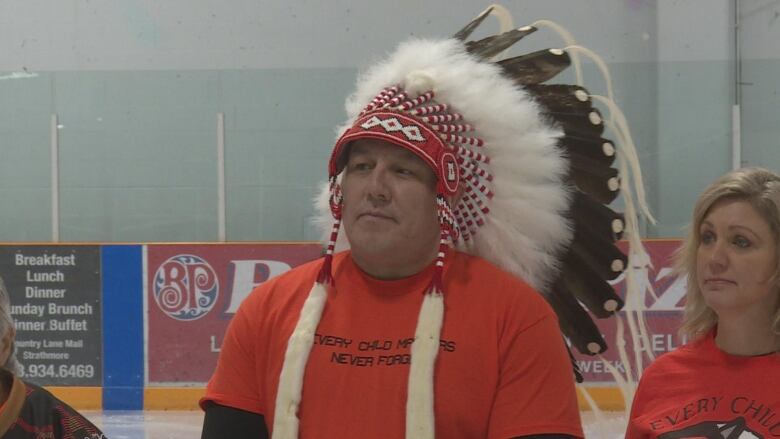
(186, 287)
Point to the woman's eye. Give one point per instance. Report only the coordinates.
(741, 242)
(707, 238)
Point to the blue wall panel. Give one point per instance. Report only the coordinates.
(123, 327)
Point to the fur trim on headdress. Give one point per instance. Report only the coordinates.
(290, 387)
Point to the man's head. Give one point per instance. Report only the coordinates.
(389, 209)
(407, 143)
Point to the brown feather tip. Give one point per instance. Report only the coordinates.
(535, 67)
(493, 45)
(473, 24)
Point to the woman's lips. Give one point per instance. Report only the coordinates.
(718, 280)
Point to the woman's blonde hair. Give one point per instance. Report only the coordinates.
(7, 324)
(761, 189)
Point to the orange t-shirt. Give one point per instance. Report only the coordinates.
(699, 391)
(502, 369)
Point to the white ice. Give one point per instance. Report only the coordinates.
(609, 425)
(148, 424)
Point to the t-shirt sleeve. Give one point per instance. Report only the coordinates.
(633, 429)
(644, 396)
(235, 380)
(536, 393)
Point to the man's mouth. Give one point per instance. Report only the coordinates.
(377, 215)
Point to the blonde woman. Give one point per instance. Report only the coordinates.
(726, 381)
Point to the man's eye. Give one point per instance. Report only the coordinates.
(741, 242)
(360, 166)
(404, 171)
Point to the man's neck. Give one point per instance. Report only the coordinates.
(384, 268)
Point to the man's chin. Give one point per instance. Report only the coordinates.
(373, 247)
(370, 232)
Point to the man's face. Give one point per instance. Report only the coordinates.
(389, 209)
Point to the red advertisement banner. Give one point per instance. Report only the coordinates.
(656, 305)
(192, 292)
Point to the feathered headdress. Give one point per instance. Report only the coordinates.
(536, 177)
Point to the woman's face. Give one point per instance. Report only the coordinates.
(736, 259)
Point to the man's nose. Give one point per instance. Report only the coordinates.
(377, 186)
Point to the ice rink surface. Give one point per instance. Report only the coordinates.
(607, 425)
(187, 424)
(148, 424)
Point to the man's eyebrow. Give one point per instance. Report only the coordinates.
(412, 157)
(355, 153)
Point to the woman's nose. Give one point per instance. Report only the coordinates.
(718, 255)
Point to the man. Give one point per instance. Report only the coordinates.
(402, 335)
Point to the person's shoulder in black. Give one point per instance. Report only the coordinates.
(31, 411)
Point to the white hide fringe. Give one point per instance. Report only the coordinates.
(420, 416)
(288, 395)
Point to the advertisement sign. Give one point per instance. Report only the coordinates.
(192, 292)
(654, 312)
(55, 295)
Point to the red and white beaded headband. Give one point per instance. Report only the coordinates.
(439, 137)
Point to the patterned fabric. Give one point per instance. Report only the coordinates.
(31, 412)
